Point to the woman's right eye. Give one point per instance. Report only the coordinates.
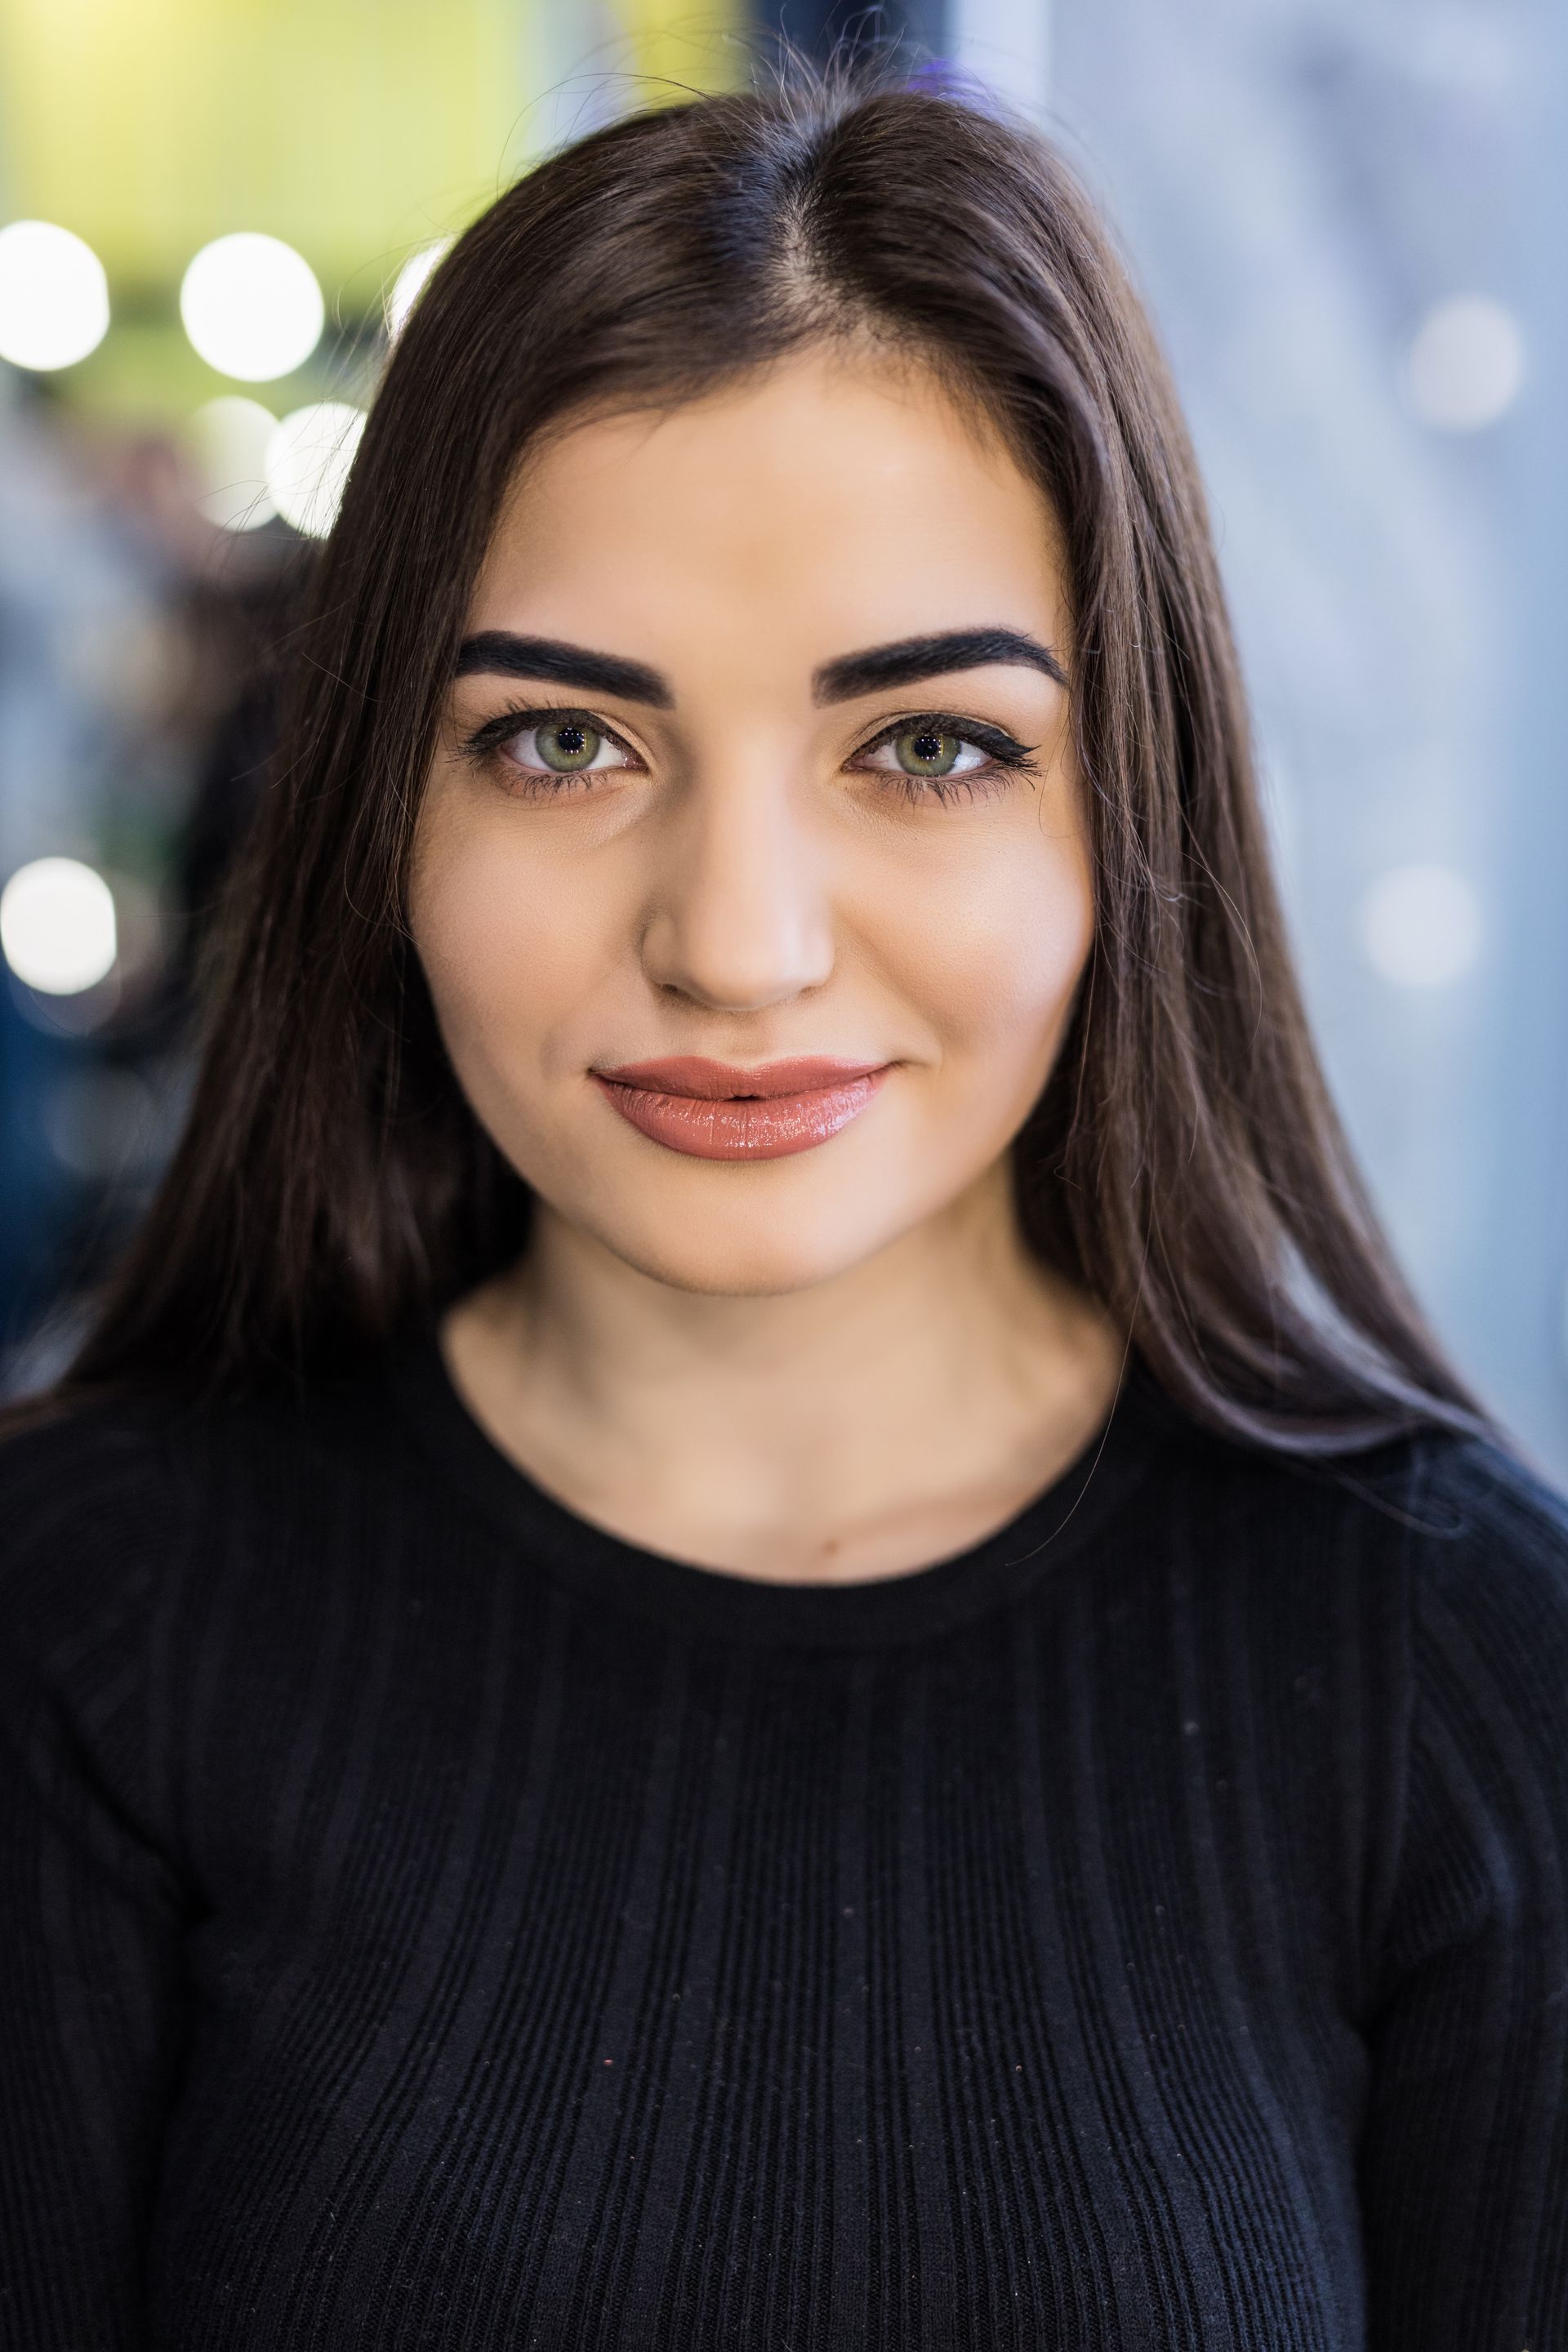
(566, 744)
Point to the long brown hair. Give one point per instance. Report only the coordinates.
(1183, 1164)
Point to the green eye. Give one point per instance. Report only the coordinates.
(565, 744)
(922, 751)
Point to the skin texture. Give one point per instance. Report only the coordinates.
(841, 1363)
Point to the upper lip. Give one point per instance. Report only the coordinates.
(694, 1074)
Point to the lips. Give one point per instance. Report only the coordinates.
(720, 1110)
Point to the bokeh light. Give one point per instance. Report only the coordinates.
(1467, 363)
(228, 440)
(1421, 926)
(54, 296)
(251, 307)
(308, 460)
(57, 926)
(410, 282)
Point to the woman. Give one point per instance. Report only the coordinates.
(758, 1621)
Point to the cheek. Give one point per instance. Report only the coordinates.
(506, 955)
(995, 963)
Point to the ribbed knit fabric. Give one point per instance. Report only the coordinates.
(431, 1921)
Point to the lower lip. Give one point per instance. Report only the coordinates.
(743, 1126)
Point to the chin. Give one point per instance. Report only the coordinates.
(748, 1256)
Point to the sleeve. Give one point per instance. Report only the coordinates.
(91, 1926)
(1464, 2159)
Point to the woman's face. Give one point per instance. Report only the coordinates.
(759, 758)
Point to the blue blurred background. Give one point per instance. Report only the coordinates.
(1347, 216)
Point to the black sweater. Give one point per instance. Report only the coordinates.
(430, 1920)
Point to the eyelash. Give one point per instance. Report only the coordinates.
(1005, 755)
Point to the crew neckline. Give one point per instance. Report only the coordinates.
(914, 1604)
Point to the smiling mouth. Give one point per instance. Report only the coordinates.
(719, 1110)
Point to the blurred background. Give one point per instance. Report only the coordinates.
(1347, 216)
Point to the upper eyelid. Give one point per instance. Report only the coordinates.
(518, 721)
(506, 723)
(951, 722)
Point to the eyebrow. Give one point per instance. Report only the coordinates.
(501, 653)
(914, 658)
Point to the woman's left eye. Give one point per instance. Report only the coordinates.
(924, 749)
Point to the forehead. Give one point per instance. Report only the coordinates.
(832, 501)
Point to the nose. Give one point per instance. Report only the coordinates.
(740, 916)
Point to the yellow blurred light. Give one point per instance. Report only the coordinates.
(251, 307)
(57, 926)
(410, 282)
(227, 438)
(354, 131)
(54, 296)
(308, 460)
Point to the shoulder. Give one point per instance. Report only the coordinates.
(1489, 1499)
(1423, 1584)
(1460, 1549)
(163, 1562)
(1464, 1519)
(1481, 1537)
(95, 1522)
(89, 1499)
(1488, 1591)
(111, 1508)
(1443, 1557)
(1480, 1704)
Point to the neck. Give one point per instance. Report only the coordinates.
(808, 1433)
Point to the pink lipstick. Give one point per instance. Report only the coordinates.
(720, 1110)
